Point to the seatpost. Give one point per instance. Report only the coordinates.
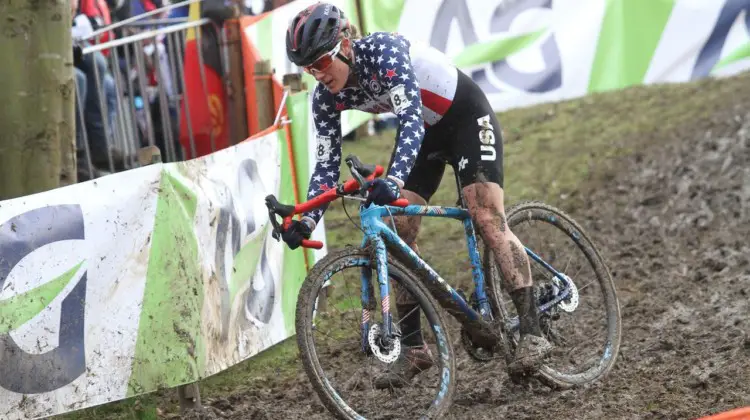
(444, 158)
(460, 202)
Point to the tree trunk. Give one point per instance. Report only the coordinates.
(37, 94)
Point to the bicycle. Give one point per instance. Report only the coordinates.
(487, 327)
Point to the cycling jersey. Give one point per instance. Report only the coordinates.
(469, 134)
(416, 82)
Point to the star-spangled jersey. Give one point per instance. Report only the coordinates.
(414, 81)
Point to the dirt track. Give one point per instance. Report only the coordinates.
(673, 224)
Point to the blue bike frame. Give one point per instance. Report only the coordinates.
(378, 233)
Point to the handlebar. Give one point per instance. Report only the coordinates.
(362, 177)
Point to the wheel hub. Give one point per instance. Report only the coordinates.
(570, 303)
(386, 354)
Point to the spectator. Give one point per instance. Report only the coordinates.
(93, 119)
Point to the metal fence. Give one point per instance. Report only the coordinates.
(131, 92)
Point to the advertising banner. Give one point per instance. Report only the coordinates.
(142, 280)
(525, 52)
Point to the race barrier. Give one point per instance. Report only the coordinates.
(154, 277)
(526, 52)
(736, 414)
(143, 280)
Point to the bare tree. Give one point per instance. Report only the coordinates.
(37, 94)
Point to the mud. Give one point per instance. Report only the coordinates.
(673, 223)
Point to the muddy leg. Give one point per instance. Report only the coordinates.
(485, 202)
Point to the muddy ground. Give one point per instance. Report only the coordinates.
(673, 222)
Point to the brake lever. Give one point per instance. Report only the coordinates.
(272, 213)
(363, 184)
(276, 232)
(286, 212)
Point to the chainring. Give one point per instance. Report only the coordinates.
(477, 353)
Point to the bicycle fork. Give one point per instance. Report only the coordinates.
(368, 304)
(368, 295)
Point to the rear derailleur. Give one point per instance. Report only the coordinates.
(545, 293)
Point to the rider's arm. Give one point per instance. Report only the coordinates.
(327, 121)
(396, 74)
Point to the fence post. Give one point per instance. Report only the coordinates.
(149, 155)
(360, 16)
(294, 84)
(235, 83)
(264, 103)
(363, 130)
(189, 395)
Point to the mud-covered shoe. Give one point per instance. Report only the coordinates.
(530, 352)
(410, 363)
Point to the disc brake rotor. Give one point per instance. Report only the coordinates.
(389, 356)
(570, 303)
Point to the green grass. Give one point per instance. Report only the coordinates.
(553, 152)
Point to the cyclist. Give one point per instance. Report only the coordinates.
(439, 108)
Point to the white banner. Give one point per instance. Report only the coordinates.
(141, 280)
(525, 52)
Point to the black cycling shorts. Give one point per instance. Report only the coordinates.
(470, 134)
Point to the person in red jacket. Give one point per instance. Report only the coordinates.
(98, 12)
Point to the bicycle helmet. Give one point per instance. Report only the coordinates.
(314, 32)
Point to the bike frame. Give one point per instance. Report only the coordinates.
(380, 235)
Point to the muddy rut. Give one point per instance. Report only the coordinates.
(673, 222)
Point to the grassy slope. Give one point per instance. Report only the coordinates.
(552, 153)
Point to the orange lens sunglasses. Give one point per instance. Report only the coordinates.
(324, 61)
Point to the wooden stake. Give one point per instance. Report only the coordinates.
(235, 84)
(264, 104)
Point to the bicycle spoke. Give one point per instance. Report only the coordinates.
(581, 335)
(357, 377)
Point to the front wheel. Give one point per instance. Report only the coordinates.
(346, 369)
(585, 328)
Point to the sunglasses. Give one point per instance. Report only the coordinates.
(324, 61)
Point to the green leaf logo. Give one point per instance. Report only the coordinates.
(740, 53)
(495, 50)
(19, 309)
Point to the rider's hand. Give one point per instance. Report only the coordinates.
(383, 191)
(296, 232)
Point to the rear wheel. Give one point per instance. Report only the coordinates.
(585, 328)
